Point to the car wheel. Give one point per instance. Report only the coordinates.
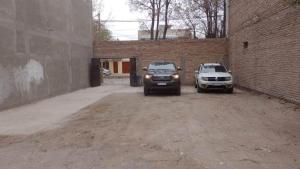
(146, 91)
(199, 89)
(178, 91)
(230, 91)
(196, 84)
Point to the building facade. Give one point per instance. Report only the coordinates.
(264, 46)
(171, 34)
(45, 49)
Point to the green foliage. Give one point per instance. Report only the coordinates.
(101, 33)
(105, 34)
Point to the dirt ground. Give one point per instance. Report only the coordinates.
(193, 131)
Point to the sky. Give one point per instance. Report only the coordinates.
(119, 10)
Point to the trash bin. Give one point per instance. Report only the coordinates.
(95, 72)
(135, 80)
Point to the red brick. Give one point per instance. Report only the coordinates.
(271, 64)
(185, 53)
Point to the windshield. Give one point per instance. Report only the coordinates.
(162, 66)
(213, 69)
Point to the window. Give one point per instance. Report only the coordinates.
(162, 66)
(213, 69)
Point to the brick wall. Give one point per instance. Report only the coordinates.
(271, 63)
(185, 53)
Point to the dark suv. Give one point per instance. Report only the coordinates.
(162, 76)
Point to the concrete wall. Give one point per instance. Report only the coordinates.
(45, 48)
(185, 53)
(271, 63)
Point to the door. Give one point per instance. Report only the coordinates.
(116, 67)
(126, 67)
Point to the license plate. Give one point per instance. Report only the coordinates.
(216, 84)
(161, 84)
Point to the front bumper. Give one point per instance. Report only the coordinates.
(215, 84)
(161, 85)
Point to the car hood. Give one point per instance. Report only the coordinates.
(215, 74)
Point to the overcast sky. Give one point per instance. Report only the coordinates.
(119, 10)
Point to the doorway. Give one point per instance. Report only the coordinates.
(120, 71)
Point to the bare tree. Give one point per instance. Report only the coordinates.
(167, 12)
(211, 10)
(100, 30)
(148, 6)
(216, 12)
(152, 4)
(223, 30)
(206, 7)
(186, 12)
(158, 11)
(201, 16)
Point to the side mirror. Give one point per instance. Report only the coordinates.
(179, 68)
(230, 71)
(196, 72)
(145, 69)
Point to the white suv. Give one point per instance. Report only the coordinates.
(213, 76)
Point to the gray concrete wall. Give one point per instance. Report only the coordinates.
(45, 49)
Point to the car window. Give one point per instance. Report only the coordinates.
(162, 66)
(213, 69)
(220, 69)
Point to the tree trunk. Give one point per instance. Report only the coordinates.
(216, 6)
(194, 32)
(152, 19)
(166, 19)
(209, 24)
(158, 19)
(207, 7)
(225, 19)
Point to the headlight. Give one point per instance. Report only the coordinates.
(204, 78)
(148, 76)
(175, 76)
(227, 78)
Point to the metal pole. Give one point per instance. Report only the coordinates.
(99, 26)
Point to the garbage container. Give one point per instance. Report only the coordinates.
(95, 72)
(135, 80)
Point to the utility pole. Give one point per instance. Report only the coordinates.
(99, 26)
(99, 39)
(225, 20)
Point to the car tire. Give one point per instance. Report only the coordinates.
(199, 89)
(178, 91)
(146, 91)
(195, 85)
(230, 91)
